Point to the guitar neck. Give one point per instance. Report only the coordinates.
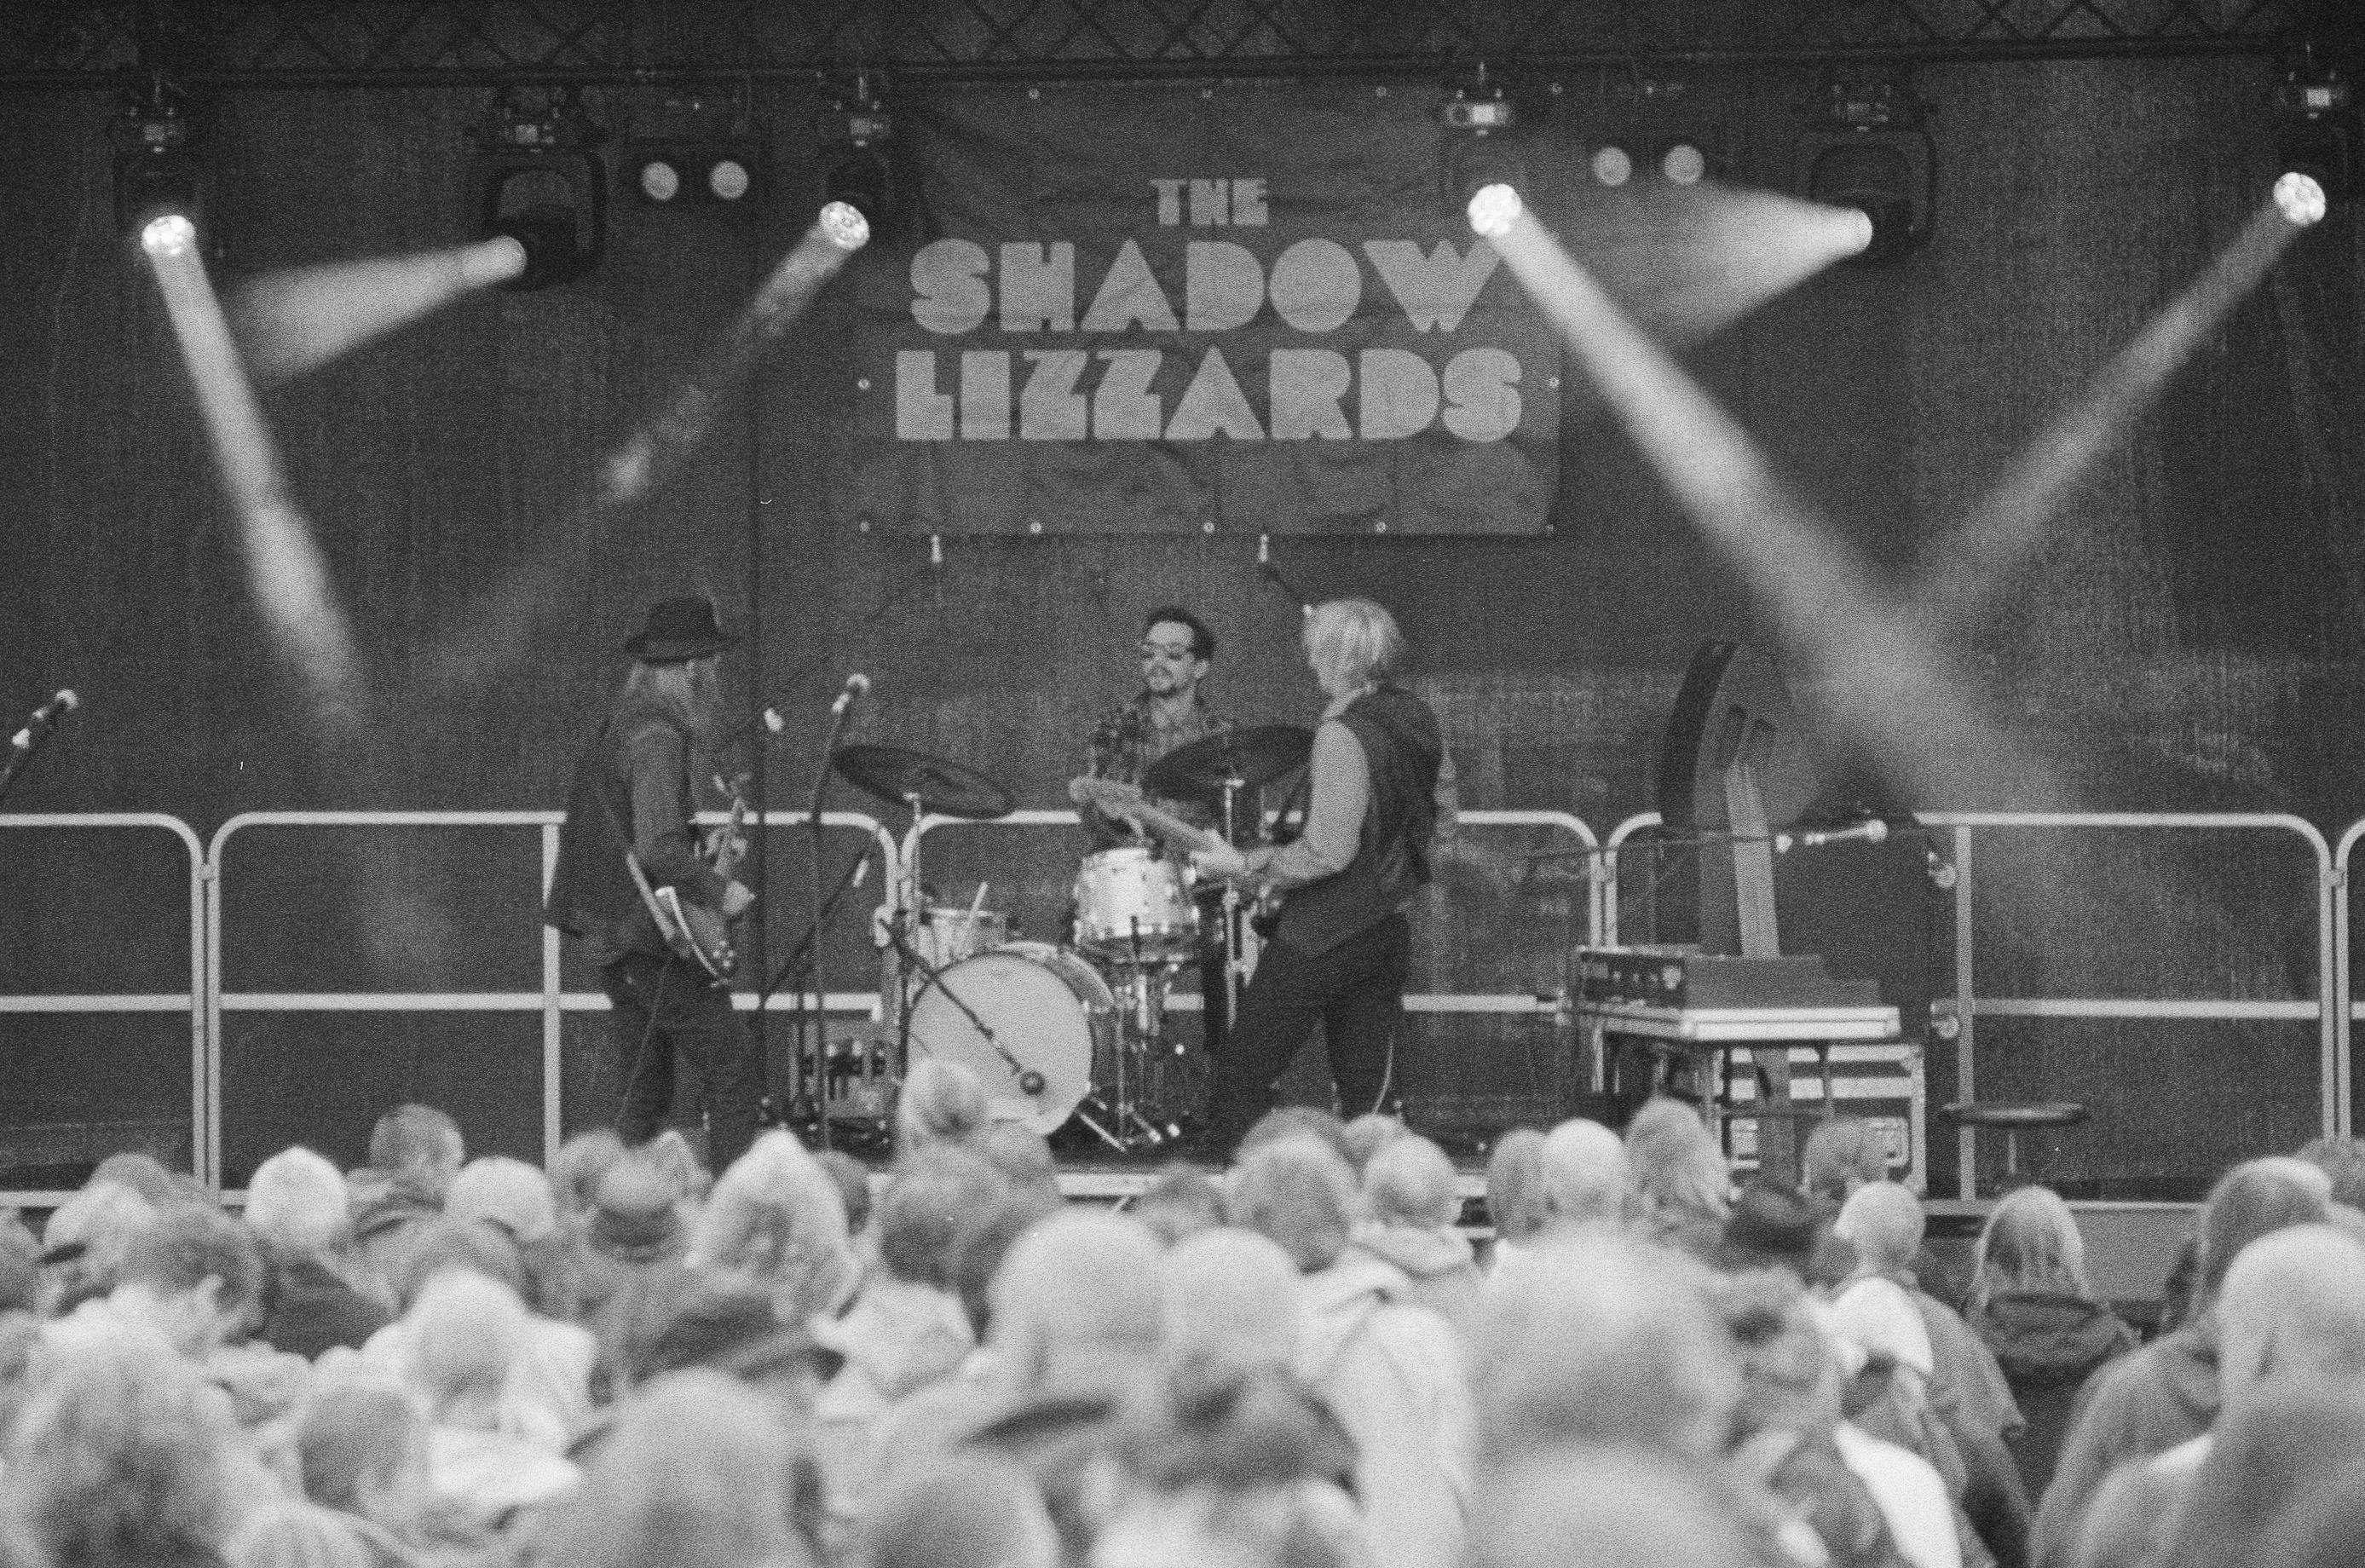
(1166, 825)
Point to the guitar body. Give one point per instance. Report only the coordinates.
(701, 935)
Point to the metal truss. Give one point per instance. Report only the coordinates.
(297, 42)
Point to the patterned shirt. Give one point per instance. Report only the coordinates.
(1126, 744)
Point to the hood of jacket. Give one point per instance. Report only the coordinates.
(1421, 1253)
(1338, 1301)
(2048, 1336)
(901, 1336)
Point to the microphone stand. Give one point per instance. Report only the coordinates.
(819, 1006)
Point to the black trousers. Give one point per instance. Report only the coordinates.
(1355, 992)
(664, 1005)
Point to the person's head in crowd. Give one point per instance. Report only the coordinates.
(2342, 1161)
(1367, 1134)
(2292, 1305)
(442, 1244)
(1631, 1507)
(1022, 1154)
(1842, 1154)
(775, 1219)
(2030, 1244)
(1772, 1225)
(698, 1473)
(87, 1237)
(2254, 1199)
(1296, 1121)
(672, 1318)
(636, 1213)
(1183, 1202)
(361, 1449)
(508, 1194)
(196, 1275)
(2278, 1485)
(1300, 1192)
(289, 1534)
(115, 1461)
(1229, 1296)
(1410, 1183)
(1604, 1339)
(1075, 1305)
(1674, 1166)
(1789, 1381)
(670, 1155)
(1883, 1221)
(143, 1172)
(576, 1169)
(419, 1142)
(295, 1204)
(853, 1179)
(1516, 1204)
(934, 1195)
(1585, 1175)
(941, 1101)
(982, 1244)
(1222, 1461)
(970, 1509)
(467, 1331)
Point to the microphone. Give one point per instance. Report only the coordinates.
(856, 685)
(44, 716)
(1872, 832)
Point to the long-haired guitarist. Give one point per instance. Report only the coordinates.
(631, 880)
(1343, 949)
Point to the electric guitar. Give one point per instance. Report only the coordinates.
(693, 931)
(1125, 801)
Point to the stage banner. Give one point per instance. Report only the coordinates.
(1129, 308)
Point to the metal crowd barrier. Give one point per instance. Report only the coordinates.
(1418, 1001)
(2327, 1011)
(192, 1001)
(550, 1000)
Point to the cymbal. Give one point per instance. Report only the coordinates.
(1257, 756)
(944, 787)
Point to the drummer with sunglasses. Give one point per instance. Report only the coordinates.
(1167, 713)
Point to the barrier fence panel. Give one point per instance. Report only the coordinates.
(1961, 1014)
(20, 1001)
(547, 999)
(2345, 1010)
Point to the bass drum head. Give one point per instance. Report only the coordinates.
(1046, 1008)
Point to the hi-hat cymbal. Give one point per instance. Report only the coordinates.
(1257, 756)
(945, 788)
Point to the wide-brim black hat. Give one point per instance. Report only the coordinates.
(680, 629)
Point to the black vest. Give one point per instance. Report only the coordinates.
(1401, 752)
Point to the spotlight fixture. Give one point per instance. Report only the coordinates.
(705, 174)
(858, 139)
(1611, 164)
(1681, 162)
(1494, 210)
(1477, 152)
(537, 181)
(2316, 130)
(158, 163)
(1864, 148)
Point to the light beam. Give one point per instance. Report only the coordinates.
(295, 321)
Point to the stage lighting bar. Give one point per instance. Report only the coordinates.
(537, 181)
(857, 176)
(2315, 136)
(1674, 160)
(158, 162)
(1477, 149)
(680, 176)
(1863, 147)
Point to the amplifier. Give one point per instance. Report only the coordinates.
(1684, 978)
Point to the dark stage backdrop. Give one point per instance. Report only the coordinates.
(2189, 638)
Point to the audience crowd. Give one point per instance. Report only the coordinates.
(628, 1361)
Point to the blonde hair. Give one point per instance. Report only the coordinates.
(679, 688)
(1674, 1163)
(1350, 641)
(2030, 1243)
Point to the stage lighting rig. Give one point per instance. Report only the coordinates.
(722, 175)
(1863, 147)
(858, 184)
(2315, 131)
(158, 159)
(1479, 147)
(536, 180)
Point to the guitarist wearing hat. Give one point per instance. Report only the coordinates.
(631, 881)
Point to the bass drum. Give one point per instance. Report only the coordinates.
(1049, 1009)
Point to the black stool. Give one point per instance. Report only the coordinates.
(2014, 1116)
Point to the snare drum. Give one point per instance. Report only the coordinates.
(948, 935)
(1130, 901)
(1048, 1008)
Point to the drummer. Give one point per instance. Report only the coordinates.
(1169, 712)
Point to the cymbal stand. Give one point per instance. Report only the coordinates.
(1120, 1122)
(1236, 958)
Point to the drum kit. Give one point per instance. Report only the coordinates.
(1073, 1031)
